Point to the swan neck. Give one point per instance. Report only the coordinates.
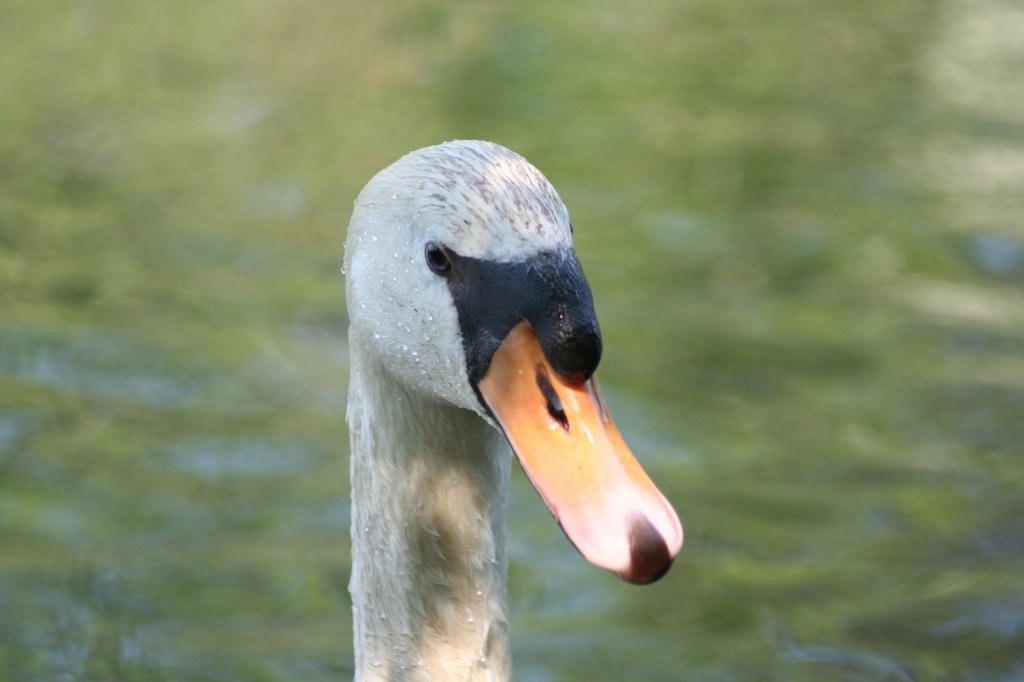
(429, 484)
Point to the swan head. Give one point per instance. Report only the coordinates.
(463, 285)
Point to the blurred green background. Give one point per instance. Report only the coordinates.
(801, 220)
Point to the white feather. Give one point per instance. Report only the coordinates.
(429, 476)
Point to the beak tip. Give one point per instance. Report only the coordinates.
(650, 556)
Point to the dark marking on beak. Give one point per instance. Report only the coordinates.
(548, 290)
(649, 556)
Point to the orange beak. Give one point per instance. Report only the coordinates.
(576, 458)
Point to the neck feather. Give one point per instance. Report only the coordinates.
(429, 484)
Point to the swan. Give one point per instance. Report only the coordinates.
(472, 330)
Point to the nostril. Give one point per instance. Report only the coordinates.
(554, 403)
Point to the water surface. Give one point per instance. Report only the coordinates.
(801, 223)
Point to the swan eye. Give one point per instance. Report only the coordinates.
(437, 259)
